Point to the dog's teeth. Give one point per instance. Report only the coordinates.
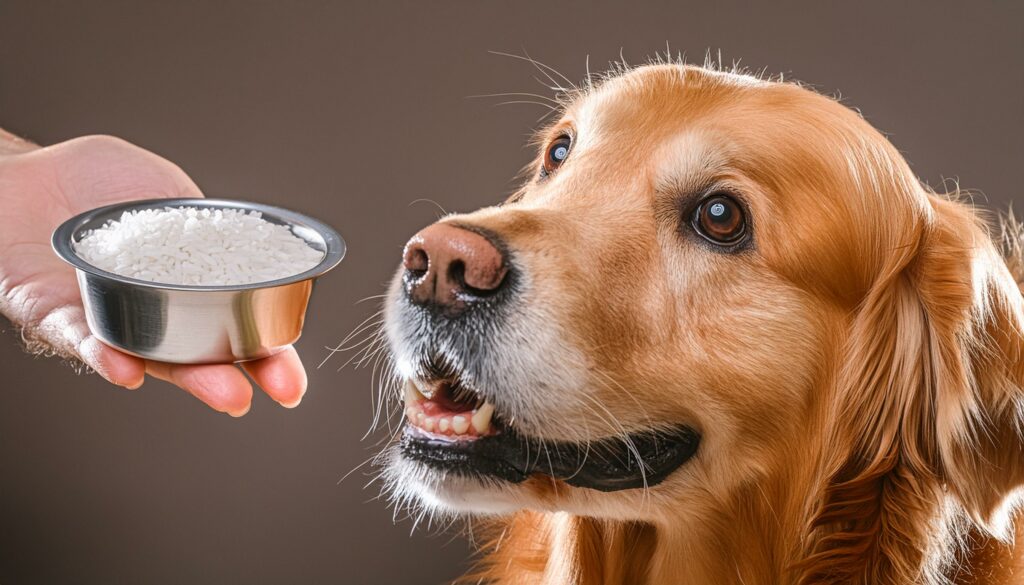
(482, 418)
(443, 425)
(411, 413)
(460, 425)
(412, 394)
(425, 391)
(428, 423)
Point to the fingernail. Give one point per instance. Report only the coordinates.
(241, 413)
(136, 386)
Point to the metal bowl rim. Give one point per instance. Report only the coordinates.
(333, 242)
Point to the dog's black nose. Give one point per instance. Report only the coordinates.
(450, 267)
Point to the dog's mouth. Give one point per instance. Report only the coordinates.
(453, 429)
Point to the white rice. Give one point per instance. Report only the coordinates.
(186, 245)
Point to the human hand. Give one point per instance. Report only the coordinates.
(42, 187)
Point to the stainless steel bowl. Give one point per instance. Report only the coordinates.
(187, 324)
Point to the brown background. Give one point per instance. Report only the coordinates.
(349, 113)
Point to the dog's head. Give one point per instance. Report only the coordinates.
(711, 286)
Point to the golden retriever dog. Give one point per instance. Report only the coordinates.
(721, 335)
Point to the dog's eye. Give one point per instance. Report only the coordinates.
(556, 154)
(720, 219)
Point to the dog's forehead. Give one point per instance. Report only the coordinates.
(681, 116)
(655, 92)
(684, 161)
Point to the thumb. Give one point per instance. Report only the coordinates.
(96, 170)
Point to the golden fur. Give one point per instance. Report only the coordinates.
(856, 373)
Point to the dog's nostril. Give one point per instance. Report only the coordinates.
(457, 273)
(477, 281)
(417, 262)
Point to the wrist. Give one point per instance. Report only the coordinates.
(11, 144)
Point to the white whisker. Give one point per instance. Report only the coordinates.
(427, 200)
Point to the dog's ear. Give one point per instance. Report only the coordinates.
(929, 407)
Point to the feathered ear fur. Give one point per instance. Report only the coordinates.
(929, 409)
